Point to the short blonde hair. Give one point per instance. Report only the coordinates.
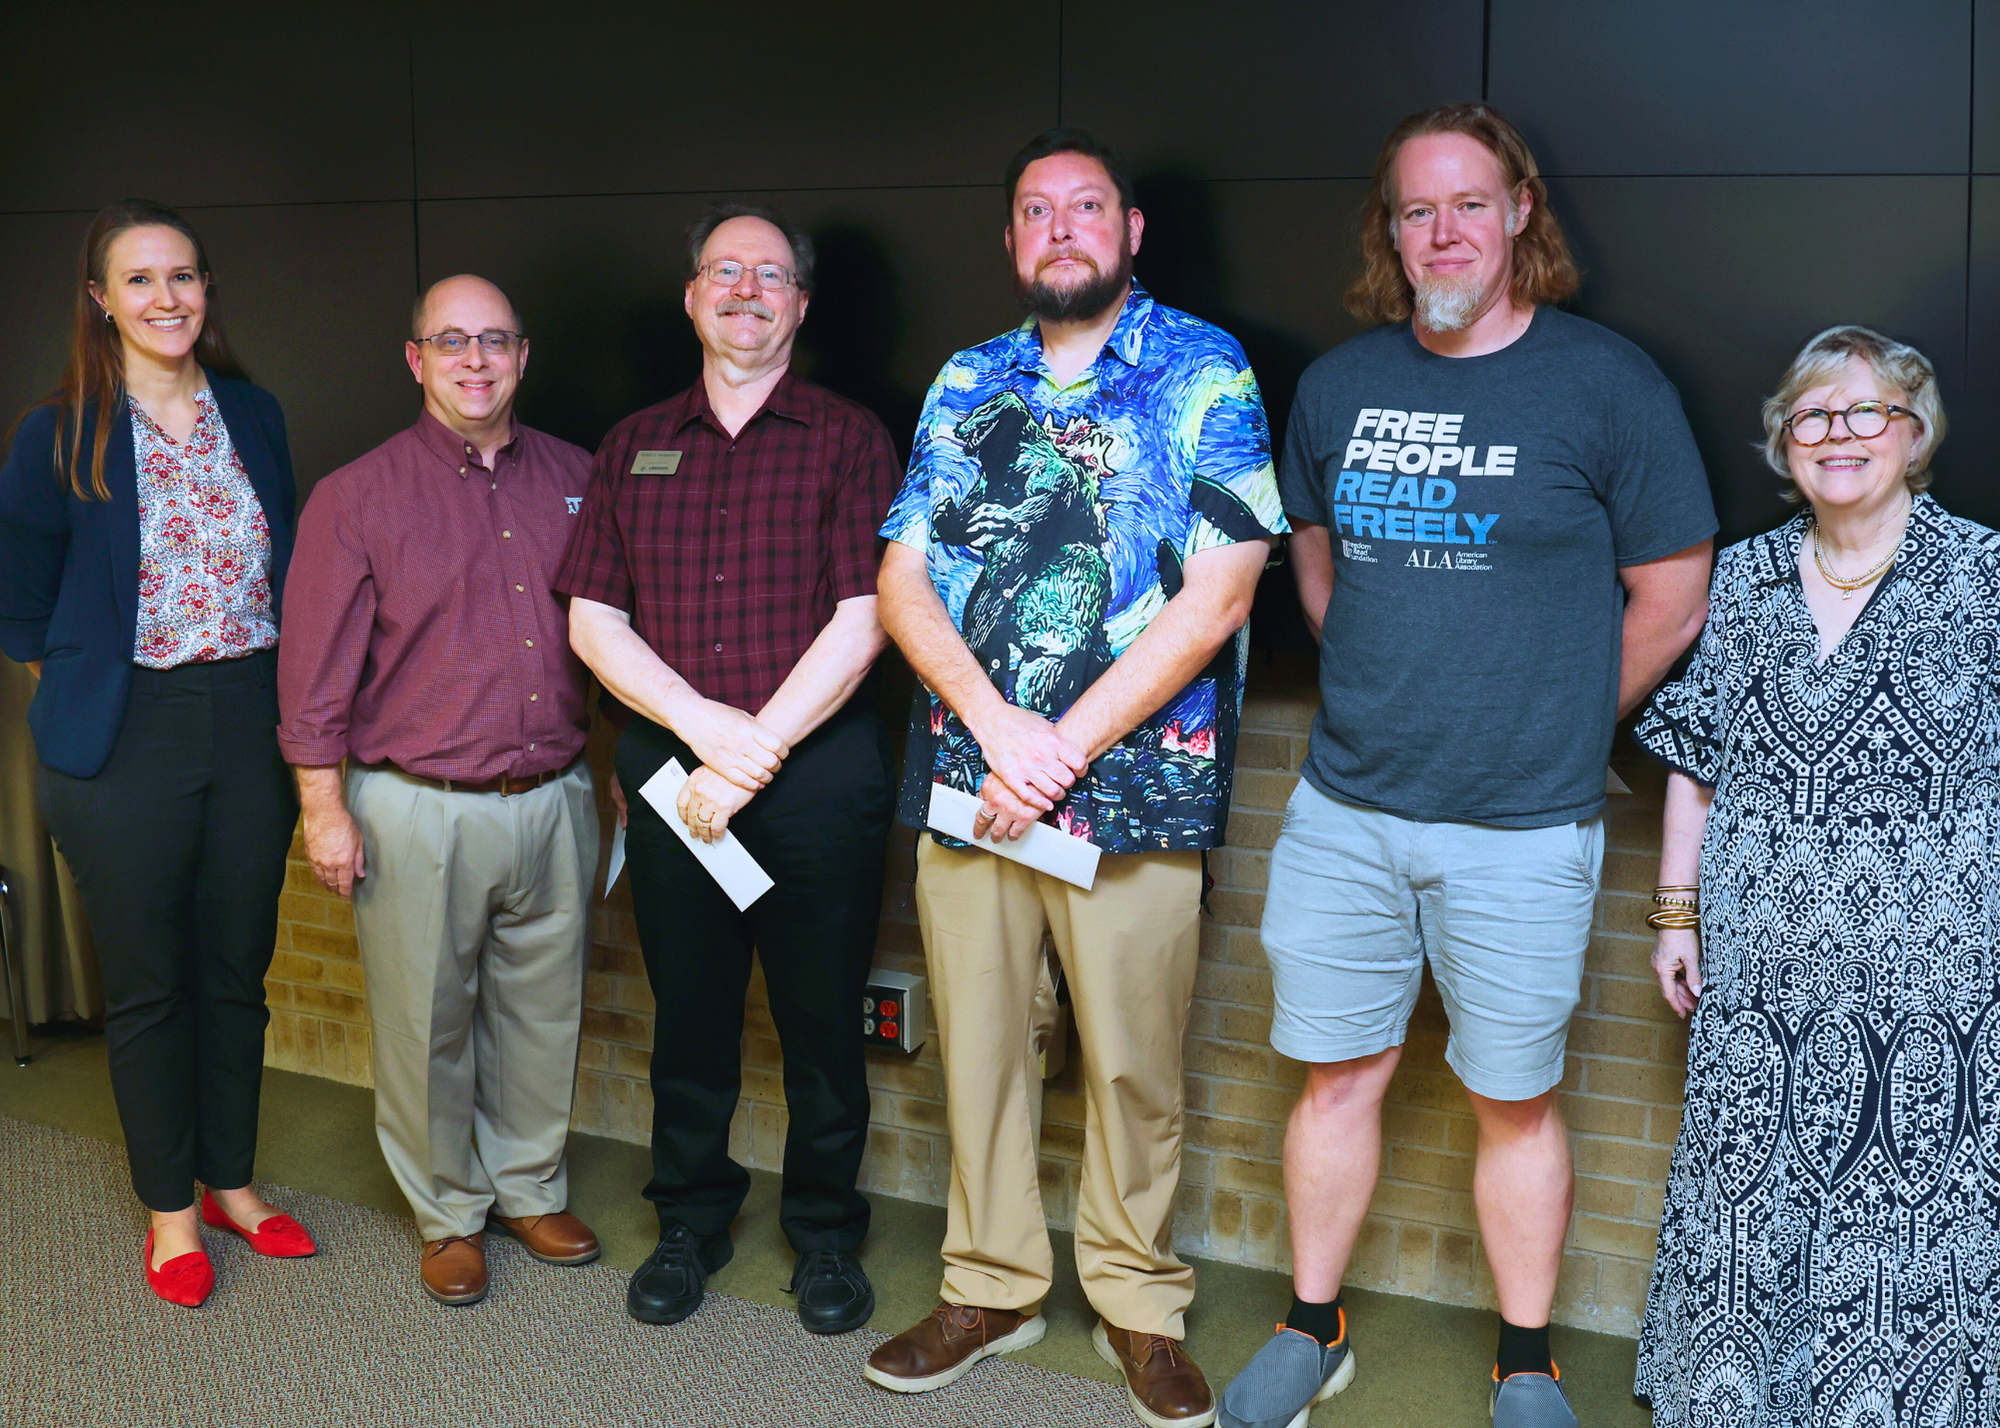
(1896, 365)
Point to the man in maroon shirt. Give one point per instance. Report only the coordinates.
(722, 584)
(423, 647)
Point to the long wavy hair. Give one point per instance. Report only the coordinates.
(95, 371)
(1544, 270)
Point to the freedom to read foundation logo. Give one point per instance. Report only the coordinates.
(1394, 485)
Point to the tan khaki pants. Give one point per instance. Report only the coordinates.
(474, 924)
(1130, 947)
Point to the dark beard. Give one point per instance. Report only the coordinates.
(1087, 300)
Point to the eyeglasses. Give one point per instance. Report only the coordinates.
(1814, 425)
(494, 340)
(728, 275)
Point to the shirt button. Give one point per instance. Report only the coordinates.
(520, 587)
(531, 644)
(506, 535)
(533, 697)
(531, 748)
(461, 470)
(718, 578)
(718, 649)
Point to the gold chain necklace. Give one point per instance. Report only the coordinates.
(1845, 585)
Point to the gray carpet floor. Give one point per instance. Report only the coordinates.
(1421, 1364)
(342, 1341)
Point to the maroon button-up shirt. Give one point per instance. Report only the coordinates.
(420, 629)
(731, 562)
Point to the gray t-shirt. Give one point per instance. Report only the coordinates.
(1479, 509)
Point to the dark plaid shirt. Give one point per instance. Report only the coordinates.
(730, 565)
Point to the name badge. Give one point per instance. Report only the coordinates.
(656, 463)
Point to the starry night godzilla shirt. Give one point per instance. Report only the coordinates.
(1057, 522)
(1479, 509)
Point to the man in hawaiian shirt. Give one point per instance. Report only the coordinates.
(1072, 557)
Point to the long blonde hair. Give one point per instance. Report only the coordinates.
(1544, 270)
(95, 371)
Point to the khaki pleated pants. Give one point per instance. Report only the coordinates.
(1130, 947)
(474, 924)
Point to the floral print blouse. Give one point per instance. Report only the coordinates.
(204, 548)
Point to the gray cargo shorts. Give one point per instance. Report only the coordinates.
(1358, 897)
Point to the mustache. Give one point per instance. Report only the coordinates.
(1071, 253)
(730, 306)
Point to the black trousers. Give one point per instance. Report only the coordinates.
(820, 830)
(178, 846)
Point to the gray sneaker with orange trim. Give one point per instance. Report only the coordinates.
(1531, 1400)
(1292, 1372)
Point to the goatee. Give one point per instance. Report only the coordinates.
(1448, 304)
(1077, 303)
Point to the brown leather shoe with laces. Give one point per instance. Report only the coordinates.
(560, 1238)
(454, 1269)
(948, 1341)
(1165, 1388)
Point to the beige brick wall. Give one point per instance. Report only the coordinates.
(1621, 1091)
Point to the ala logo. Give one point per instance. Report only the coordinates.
(575, 503)
(1356, 550)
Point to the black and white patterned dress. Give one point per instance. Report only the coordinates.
(1830, 1252)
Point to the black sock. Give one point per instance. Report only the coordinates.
(1322, 1321)
(1524, 1350)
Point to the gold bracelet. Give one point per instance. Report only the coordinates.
(1688, 904)
(1677, 888)
(1674, 919)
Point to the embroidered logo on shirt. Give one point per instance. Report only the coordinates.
(575, 503)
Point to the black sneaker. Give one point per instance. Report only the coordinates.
(834, 1295)
(668, 1286)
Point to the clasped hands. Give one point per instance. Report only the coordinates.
(1030, 764)
(739, 757)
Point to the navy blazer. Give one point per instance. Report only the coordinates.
(69, 569)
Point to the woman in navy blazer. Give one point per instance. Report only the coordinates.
(146, 517)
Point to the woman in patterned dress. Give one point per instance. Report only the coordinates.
(146, 515)
(1832, 1228)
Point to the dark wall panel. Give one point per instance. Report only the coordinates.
(1843, 86)
(1703, 273)
(641, 98)
(1266, 89)
(39, 249)
(238, 104)
(1966, 477)
(319, 305)
(1986, 86)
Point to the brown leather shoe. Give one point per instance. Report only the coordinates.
(1164, 1386)
(951, 1339)
(560, 1238)
(454, 1269)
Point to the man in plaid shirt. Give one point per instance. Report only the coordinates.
(722, 585)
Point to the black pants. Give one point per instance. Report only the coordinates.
(820, 830)
(178, 847)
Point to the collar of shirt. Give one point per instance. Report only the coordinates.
(455, 451)
(1124, 342)
(204, 412)
(788, 399)
(1774, 555)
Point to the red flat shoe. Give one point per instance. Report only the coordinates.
(280, 1237)
(185, 1279)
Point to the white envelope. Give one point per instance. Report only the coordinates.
(1046, 849)
(617, 858)
(727, 860)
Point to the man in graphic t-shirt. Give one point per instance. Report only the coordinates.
(1502, 532)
